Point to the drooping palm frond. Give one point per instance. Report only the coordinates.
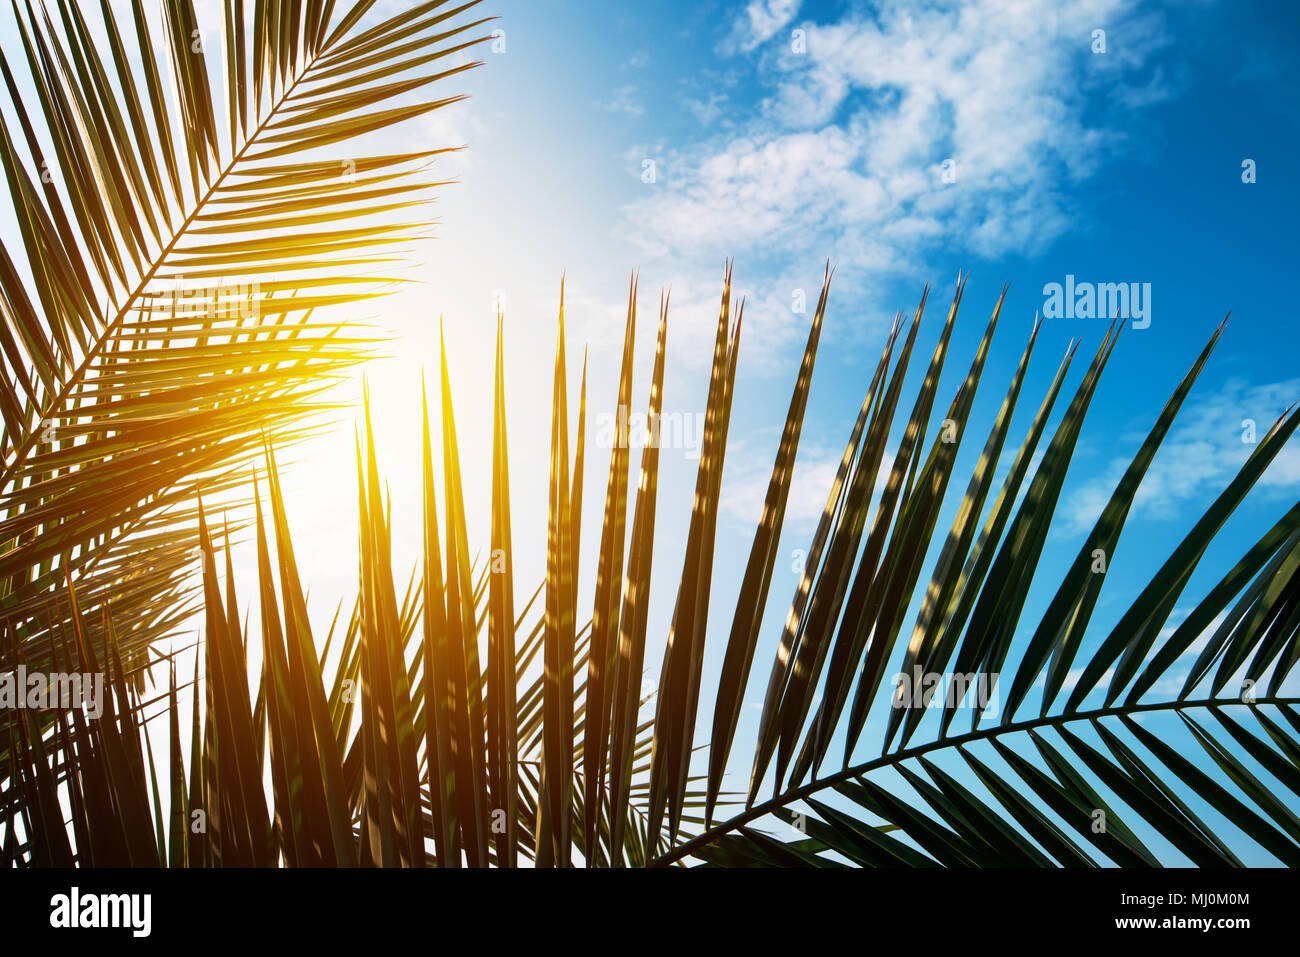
(547, 752)
(183, 253)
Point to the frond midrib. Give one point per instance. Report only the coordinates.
(757, 811)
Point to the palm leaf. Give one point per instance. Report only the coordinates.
(166, 309)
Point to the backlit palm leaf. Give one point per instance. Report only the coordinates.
(189, 212)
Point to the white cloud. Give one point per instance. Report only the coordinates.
(759, 22)
(848, 150)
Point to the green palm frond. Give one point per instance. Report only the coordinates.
(183, 253)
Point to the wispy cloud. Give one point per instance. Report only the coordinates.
(758, 23)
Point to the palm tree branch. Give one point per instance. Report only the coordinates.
(757, 811)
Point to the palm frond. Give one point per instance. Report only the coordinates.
(167, 310)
